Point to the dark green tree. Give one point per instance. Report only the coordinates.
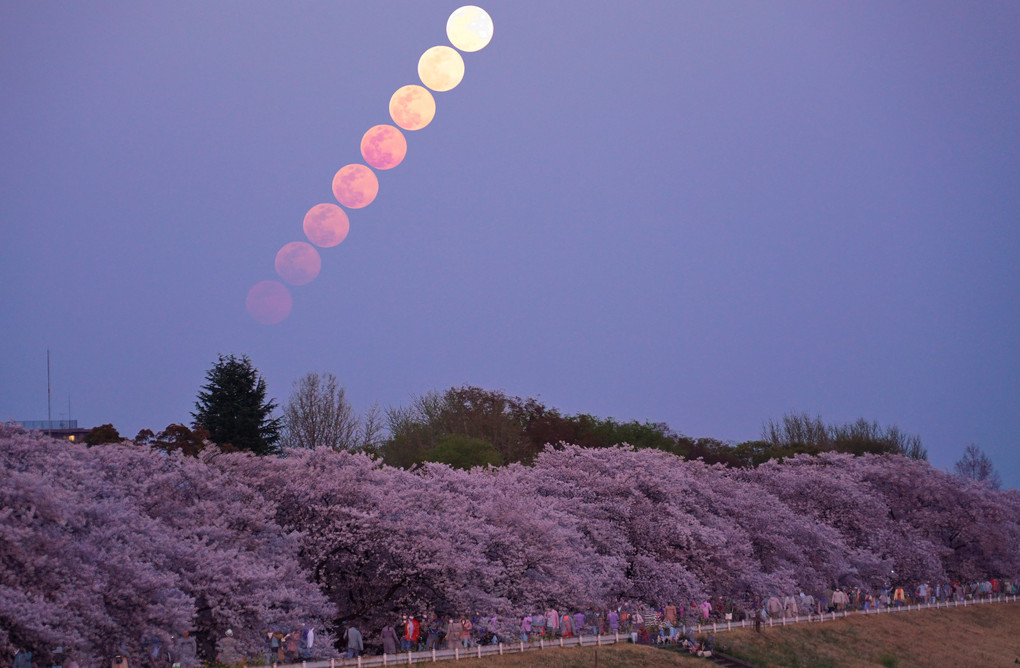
(465, 452)
(104, 433)
(233, 408)
(176, 437)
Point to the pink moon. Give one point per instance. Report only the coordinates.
(412, 107)
(269, 302)
(326, 225)
(383, 147)
(298, 263)
(355, 186)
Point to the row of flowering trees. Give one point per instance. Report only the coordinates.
(105, 549)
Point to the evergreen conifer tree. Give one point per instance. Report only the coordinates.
(232, 407)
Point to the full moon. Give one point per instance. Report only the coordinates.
(412, 107)
(355, 186)
(269, 302)
(326, 225)
(298, 263)
(469, 28)
(441, 68)
(383, 147)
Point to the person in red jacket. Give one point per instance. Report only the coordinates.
(412, 631)
(406, 631)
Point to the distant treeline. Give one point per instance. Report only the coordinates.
(471, 426)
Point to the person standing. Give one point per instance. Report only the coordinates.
(579, 621)
(186, 650)
(415, 632)
(525, 627)
(432, 641)
(389, 639)
(22, 659)
(274, 641)
(406, 633)
(552, 621)
(567, 625)
(614, 621)
(226, 649)
(307, 642)
(452, 633)
(355, 645)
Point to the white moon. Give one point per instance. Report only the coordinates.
(441, 68)
(469, 28)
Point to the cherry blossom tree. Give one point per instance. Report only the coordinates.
(108, 548)
(117, 547)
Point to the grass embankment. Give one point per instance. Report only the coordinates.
(980, 635)
(609, 656)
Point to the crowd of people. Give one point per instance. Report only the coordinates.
(671, 624)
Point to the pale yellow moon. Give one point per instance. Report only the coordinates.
(355, 186)
(269, 302)
(441, 68)
(298, 263)
(469, 28)
(383, 147)
(412, 107)
(326, 225)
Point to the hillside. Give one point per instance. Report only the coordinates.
(981, 635)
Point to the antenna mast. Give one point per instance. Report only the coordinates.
(49, 397)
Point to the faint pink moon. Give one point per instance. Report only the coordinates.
(412, 107)
(383, 147)
(326, 225)
(298, 263)
(355, 186)
(269, 302)
(441, 68)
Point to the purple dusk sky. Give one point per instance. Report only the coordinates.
(701, 213)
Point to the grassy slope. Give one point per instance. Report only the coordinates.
(980, 635)
(609, 656)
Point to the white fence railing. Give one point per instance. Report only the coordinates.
(457, 653)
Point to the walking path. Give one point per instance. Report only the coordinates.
(479, 651)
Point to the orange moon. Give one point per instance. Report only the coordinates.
(469, 28)
(383, 147)
(269, 302)
(326, 225)
(441, 68)
(412, 107)
(355, 186)
(298, 263)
